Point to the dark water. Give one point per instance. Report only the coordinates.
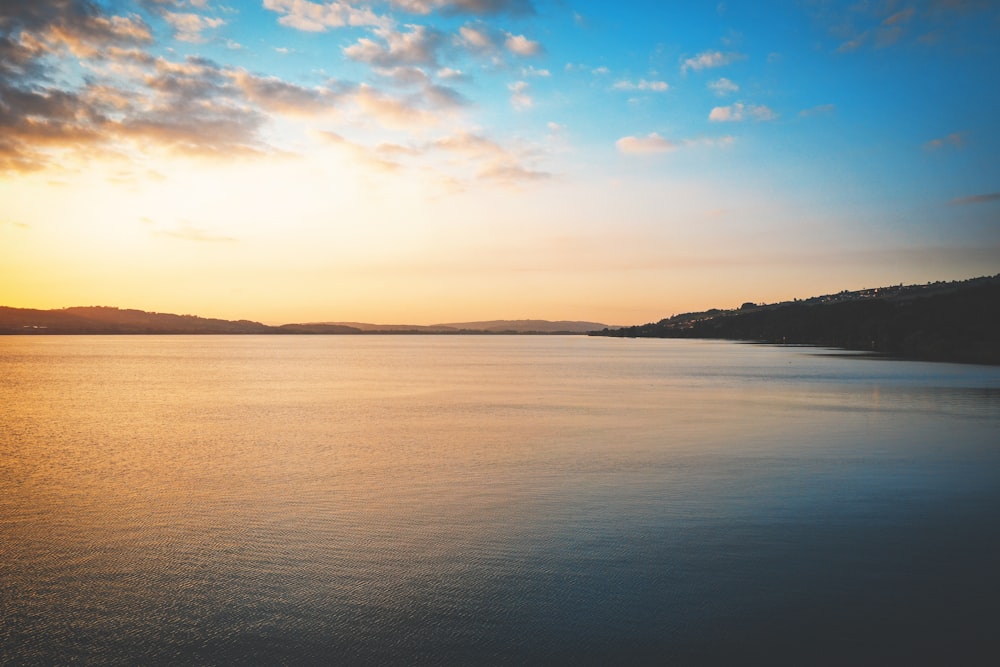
(477, 500)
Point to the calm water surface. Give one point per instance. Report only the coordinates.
(476, 500)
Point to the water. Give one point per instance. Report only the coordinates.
(493, 500)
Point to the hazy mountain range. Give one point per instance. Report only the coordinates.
(953, 321)
(108, 320)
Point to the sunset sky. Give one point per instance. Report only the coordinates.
(424, 161)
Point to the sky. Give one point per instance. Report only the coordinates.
(427, 161)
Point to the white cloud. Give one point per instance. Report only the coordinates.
(519, 98)
(531, 71)
(655, 86)
(392, 112)
(188, 27)
(723, 87)
(361, 155)
(653, 144)
(514, 7)
(476, 39)
(650, 144)
(739, 111)
(709, 59)
(494, 162)
(416, 47)
(522, 46)
(481, 38)
(274, 94)
(318, 17)
(404, 74)
(600, 70)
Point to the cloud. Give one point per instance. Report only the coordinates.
(901, 16)
(511, 173)
(739, 112)
(416, 47)
(194, 107)
(404, 74)
(976, 199)
(483, 7)
(360, 154)
(476, 39)
(41, 117)
(387, 148)
(483, 39)
(723, 87)
(318, 17)
(441, 97)
(519, 98)
(449, 73)
(392, 112)
(650, 144)
(879, 25)
(531, 71)
(643, 84)
(953, 140)
(492, 162)
(433, 95)
(853, 44)
(188, 27)
(820, 110)
(273, 94)
(710, 59)
(869, 24)
(653, 144)
(522, 46)
(52, 26)
(133, 104)
(188, 232)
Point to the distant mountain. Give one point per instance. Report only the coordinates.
(326, 329)
(527, 326)
(945, 321)
(366, 327)
(490, 326)
(107, 320)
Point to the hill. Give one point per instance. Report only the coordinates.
(107, 320)
(944, 321)
(527, 326)
(489, 326)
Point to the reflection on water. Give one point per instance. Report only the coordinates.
(492, 500)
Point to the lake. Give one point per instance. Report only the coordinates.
(493, 500)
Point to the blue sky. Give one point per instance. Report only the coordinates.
(431, 160)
